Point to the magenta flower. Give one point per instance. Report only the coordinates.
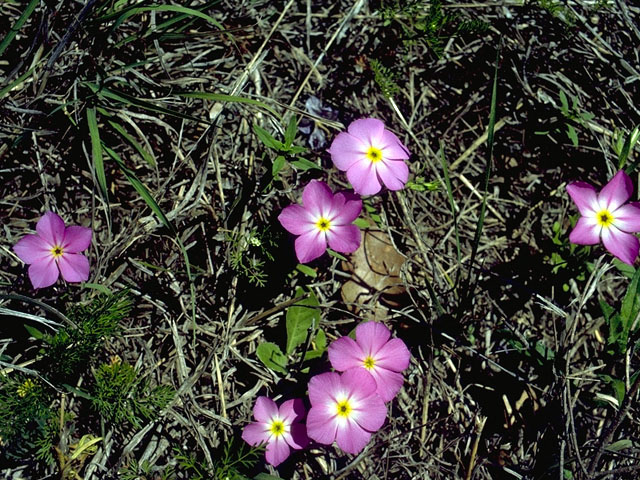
(345, 409)
(372, 351)
(604, 216)
(371, 155)
(54, 250)
(279, 428)
(323, 218)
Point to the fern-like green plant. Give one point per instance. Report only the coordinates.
(384, 77)
(122, 394)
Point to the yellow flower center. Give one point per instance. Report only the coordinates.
(604, 218)
(57, 251)
(343, 409)
(277, 427)
(374, 154)
(369, 363)
(323, 224)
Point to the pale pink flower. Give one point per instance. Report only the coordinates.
(604, 216)
(372, 351)
(279, 428)
(345, 409)
(54, 250)
(371, 155)
(323, 218)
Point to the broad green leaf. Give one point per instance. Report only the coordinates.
(311, 354)
(361, 223)
(304, 164)
(335, 254)
(34, 332)
(572, 134)
(631, 301)
(300, 319)
(308, 271)
(564, 107)
(270, 354)
(620, 445)
(278, 164)
(266, 138)
(321, 340)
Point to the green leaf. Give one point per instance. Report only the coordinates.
(290, 132)
(304, 165)
(34, 332)
(266, 138)
(631, 301)
(295, 150)
(361, 223)
(335, 254)
(308, 271)
(265, 476)
(300, 319)
(18, 25)
(564, 107)
(620, 445)
(134, 143)
(219, 97)
(572, 134)
(629, 144)
(96, 153)
(270, 354)
(321, 340)
(278, 164)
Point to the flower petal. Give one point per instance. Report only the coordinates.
(74, 267)
(321, 427)
(76, 239)
(586, 232)
(368, 130)
(346, 150)
(344, 238)
(323, 389)
(51, 228)
(627, 218)
(371, 413)
(393, 173)
(394, 355)
(392, 147)
(584, 196)
(296, 219)
(359, 383)
(297, 437)
(351, 437)
(389, 383)
(43, 273)
(292, 410)
(363, 178)
(277, 451)
(371, 336)
(265, 409)
(623, 245)
(32, 249)
(255, 433)
(317, 198)
(345, 353)
(350, 207)
(310, 246)
(616, 192)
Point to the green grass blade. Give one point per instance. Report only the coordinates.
(16, 28)
(166, 8)
(96, 153)
(629, 144)
(487, 171)
(452, 205)
(141, 189)
(218, 97)
(107, 93)
(17, 81)
(134, 143)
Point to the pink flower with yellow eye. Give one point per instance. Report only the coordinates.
(54, 250)
(373, 351)
(605, 216)
(279, 428)
(371, 155)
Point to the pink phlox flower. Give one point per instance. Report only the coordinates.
(372, 351)
(371, 155)
(345, 409)
(54, 250)
(604, 216)
(279, 428)
(323, 218)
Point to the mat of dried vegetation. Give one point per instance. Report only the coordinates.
(137, 120)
